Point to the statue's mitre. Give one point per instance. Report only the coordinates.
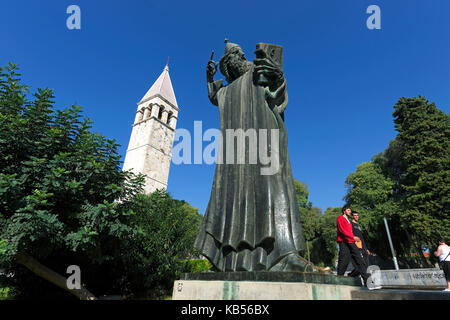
(230, 47)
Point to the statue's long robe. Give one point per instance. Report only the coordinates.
(252, 220)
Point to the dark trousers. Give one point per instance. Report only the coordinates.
(446, 269)
(349, 251)
(365, 257)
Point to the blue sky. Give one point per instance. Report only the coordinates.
(343, 79)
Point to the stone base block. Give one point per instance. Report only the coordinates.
(249, 290)
(264, 286)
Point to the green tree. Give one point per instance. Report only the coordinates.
(324, 247)
(408, 183)
(308, 216)
(65, 201)
(370, 193)
(166, 231)
(53, 172)
(424, 136)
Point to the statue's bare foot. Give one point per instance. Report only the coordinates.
(291, 262)
(294, 262)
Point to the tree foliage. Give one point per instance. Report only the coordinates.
(371, 195)
(408, 183)
(424, 135)
(166, 233)
(324, 249)
(64, 201)
(319, 229)
(53, 170)
(308, 216)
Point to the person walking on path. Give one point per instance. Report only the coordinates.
(347, 247)
(360, 244)
(443, 252)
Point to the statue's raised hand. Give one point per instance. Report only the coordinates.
(211, 70)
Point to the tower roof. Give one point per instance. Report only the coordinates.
(163, 88)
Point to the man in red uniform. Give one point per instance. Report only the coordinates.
(347, 247)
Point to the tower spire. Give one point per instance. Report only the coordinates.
(150, 148)
(162, 87)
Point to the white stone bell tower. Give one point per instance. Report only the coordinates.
(150, 149)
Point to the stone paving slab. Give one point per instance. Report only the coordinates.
(387, 294)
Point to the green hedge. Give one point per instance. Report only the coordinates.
(6, 294)
(195, 265)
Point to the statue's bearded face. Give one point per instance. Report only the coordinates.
(235, 65)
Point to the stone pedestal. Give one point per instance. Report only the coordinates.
(264, 286)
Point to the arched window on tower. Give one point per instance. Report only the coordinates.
(149, 110)
(160, 112)
(169, 116)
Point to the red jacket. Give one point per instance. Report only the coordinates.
(344, 230)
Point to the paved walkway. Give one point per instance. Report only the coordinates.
(397, 294)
